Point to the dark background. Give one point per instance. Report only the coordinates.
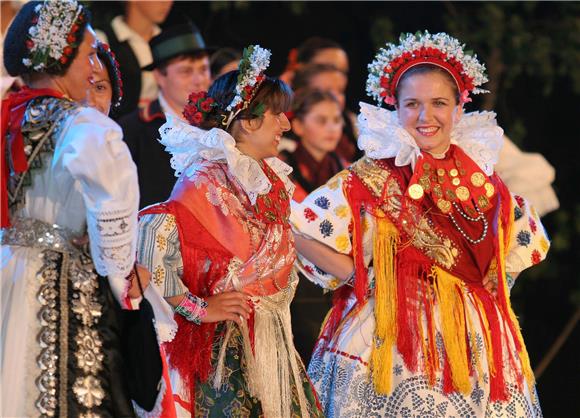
(532, 51)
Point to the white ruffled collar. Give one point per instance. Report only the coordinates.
(382, 136)
(188, 144)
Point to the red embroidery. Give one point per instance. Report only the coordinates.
(533, 226)
(310, 215)
(536, 257)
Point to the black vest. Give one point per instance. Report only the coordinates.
(130, 73)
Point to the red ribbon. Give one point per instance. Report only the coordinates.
(13, 108)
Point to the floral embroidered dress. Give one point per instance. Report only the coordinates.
(415, 333)
(56, 347)
(225, 227)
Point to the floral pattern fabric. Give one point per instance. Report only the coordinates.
(340, 371)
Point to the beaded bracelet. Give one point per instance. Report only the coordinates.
(192, 308)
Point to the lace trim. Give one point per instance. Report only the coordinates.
(188, 145)
(112, 240)
(382, 136)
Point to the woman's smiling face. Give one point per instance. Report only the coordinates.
(428, 109)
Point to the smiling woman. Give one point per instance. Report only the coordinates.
(421, 242)
(68, 175)
(222, 252)
(428, 107)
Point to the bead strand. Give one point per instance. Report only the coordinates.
(480, 217)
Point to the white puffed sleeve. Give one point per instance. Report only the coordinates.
(326, 217)
(529, 242)
(529, 175)
(95, 155)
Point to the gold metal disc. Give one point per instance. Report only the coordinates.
(425, 183)
(444, 205)
(483, 202)
(450, 194)
(455, 181)
(437, 190)
(462, 193)
(416, 191)
(453, 172)
(477, 179)
(489, 189)
(440, 172)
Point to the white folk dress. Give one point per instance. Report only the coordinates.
(81, 179)
(341, 371)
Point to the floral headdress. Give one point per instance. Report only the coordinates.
(54, 35)
(112, 67)
(251, 69)
(439, 49)
(255, 60)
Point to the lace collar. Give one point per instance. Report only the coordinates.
(188, 144)
(382, 136)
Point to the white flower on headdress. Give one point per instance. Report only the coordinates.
(440, 46)
(252, 66)
(48, 36)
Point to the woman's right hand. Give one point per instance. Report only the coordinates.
(225, 306)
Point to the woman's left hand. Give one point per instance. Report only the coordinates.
(145, 277)
(490, 284)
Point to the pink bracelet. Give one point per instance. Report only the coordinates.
(192, 308)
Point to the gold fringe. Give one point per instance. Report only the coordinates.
(449, 296)
(385, 247)
(502, 287)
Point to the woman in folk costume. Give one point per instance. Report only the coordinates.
(66, 174)
(434, 241)
(221, 252)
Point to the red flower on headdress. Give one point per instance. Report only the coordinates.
(206, 104)
(67, 50)
(198, 108)
(63, 60)
(29, 43)
(71, 38)
(197, 118)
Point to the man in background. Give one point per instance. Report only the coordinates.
(128, 36)
(180, 66)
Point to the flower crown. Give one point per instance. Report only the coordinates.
(117, 84)
(53, 37)
(439, 49)
(255, 60)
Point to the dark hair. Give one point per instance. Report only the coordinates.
(310, 47)
(108, 59)
(222, 57)
(306, 99)
(15, 49)
(305, 74)
(193, 56)
(273, 93)
(426, 69)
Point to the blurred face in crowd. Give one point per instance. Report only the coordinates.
(182, 76)
(153, 11)
(230, 66)
(81, 73)
(332, 81)
(333, 56)
(100, 94)
(428, 109)
(262, 135)
(320, 129)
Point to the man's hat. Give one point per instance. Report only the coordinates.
(174, 41)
